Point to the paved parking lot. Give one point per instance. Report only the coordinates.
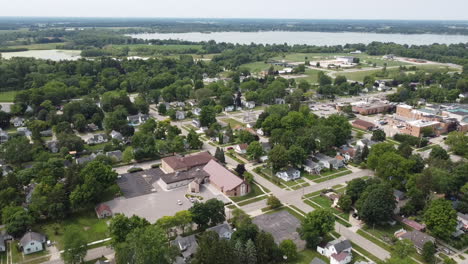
(139, 183)
(161, 203)
(282, 225)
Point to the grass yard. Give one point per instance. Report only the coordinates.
(333, 176)
(253, 200)
(322, 201)
(256, 191)
(312, 76)
(313, 193)
(18, 257)
(307, 255)
(232, 122)
(97, 147)
(8, 96)
(259, 66)
(328, 172)
(310, 176)
(92, 228)
(311, 204)
(233, 156)
(40, 46)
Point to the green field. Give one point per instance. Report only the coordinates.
(232, 122)
(312, 76)
(259, 66)
(7, 96)
(87, 222)
(41, 46)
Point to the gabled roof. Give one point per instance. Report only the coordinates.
(102, 207)
(187, 245)
(177, 163)
(418, 238)
(341, 245)
(222, 229)
(340, 256)
(32, 236)
(221, 176)
(243, 146)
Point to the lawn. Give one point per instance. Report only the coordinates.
(312, 75)
(333, 176)
(314, 193)
(259, 66)
(18, 256)
(233, 156)
(307, 255)
(92, 228)
(328, 172)
(40, 46)
(322, 201)
(233, 123)
(8, 96)
(256, 191)
(253, 200)
(97, 147)
(310, 176)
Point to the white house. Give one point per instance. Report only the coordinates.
(196, 123)
(289, 175)
(249, 104)
(363, 142)
(180, 115)
(136, 120)
(17, 121)
(32, 242)
(339, 251)
(196, 111)
(116, 135)
(260, 132)
(97, 139)
(224, 231)
(229, 108)
(241, 148)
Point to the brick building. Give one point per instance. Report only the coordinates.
(361, 124)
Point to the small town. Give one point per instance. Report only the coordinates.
(120, 146)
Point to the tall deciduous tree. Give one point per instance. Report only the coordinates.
(255, 150)
(441, 218)
(74, 246)
(376, 204)
(315, 225)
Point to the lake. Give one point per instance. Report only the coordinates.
(310, 38)
(55, 55)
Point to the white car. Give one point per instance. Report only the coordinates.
(179, 202)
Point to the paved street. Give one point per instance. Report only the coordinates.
(92, 254)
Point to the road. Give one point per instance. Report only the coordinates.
(92, 254)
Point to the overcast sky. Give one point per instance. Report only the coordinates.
(311, 9)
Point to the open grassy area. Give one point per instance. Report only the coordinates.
(256, 191)
(87, 222)
(40, 46)
(8, 96)
(232, 122)
(97, 147)
(307, 255)
(233, 156)
(312, 76)
(259, 66)
(253, 200)
(322, 179)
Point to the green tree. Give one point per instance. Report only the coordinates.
(403, 248)
(194, 140)
(288, 249)
(250, 253)
(458, 142)
(345, 203)
(211, 249)
(278, 158)
(255, 150)
(209, 213)
(74, 246)
(127, 154)
(438, 152)
(267, 249)
(405, 150)
(441, 218)
(315, 225)
(296, 155)
(16, 150)
(273, 202)
(145, 245)
(378, 135)
(219, 155)
(16, 219)
(207, 116)
(355, 188)
(120, 226)
(428, 252)
(162, 110)
(376, 204)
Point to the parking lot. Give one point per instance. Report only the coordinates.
(139, 183)
(282, 225)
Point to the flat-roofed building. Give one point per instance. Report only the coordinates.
(179, 163)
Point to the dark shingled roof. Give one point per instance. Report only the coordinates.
(31, 236)
(177, 163)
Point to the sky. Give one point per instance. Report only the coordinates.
(301, 9)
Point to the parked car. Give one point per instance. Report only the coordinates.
(179, 202)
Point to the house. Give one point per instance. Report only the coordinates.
(4, 137)
(400, 199)
(196, 123)
(289, 175)
(312, 167)
(116, 135)
(249, 104)
(329, 162)
(193, 177)
(17, 121)
(53, 146)
(136, 120)
(462, 224)
(260, 132)
(224, 231)
(187, 245)
(264, 158)
(196, 111)
(361, 124)
(180, 115)
(86, 159)
(32, 242)
(251, 124)
(241, 148)
(92, 127)
(280, 101)
(23, 131)
(2, 243)
(180, 163)
(347, 152)
(97, 139)
(225, 181)
(418, 238)
(229, 108)
(103, 211)
(46, 133)
(365, 142)
(339, 251)
(115, 155)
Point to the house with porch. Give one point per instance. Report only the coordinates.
(289, 174)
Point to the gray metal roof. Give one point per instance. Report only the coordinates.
(32, 236)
